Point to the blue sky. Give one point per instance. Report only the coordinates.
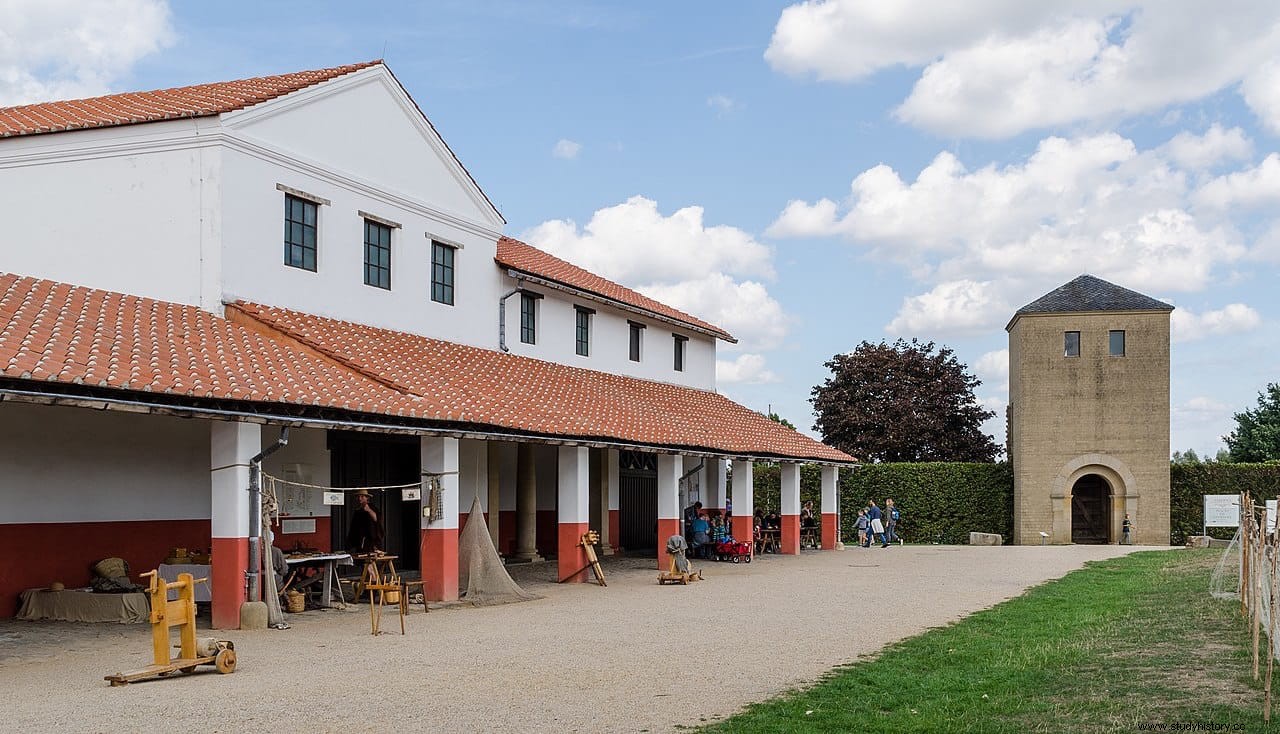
(811, 176)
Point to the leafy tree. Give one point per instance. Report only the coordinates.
(779, 419)
(1187, 457)
(1257, 434)
(905, 401)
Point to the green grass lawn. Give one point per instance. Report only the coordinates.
(1128, 644)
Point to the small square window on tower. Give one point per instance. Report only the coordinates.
(1071, 344)
(1115, 343)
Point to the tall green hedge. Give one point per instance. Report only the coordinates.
(1189, 483)
(944, 502)
(940, 501)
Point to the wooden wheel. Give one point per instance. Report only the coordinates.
(225, 661)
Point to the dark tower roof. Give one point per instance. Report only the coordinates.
(1087, 293)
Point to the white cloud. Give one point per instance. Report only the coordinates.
(1259, 185)
(745, 309)
(67, 49)
(1197, 152)
(993, 68)
(1230, 319)
(1262, 94)
(566, 149)
(748, 369)
(998, 236)
(956, 307)
(993, 367)
(722, 103)
(634, 243)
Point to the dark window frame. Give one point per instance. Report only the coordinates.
(1111, 343)
(681, 344)
(298, 252)
(442, 273)
(377, 254)
(582, 330)
(1067, 346)
(529, 317)
(635, 341)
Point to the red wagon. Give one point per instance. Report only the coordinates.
(732, 550)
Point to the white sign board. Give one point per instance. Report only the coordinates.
(333, 498)
(1222, 510)
(409, 495)
(1271, 516)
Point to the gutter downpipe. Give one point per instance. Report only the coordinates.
(502, 312)
(255, 513)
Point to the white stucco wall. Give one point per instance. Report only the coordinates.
(305, 459)
(130, 209)
(79, 465)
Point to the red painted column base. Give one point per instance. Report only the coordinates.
(790, 535)
(615, 530)
(571, 557)
(744, 531)
(439, 557)
(667, 527)
(830, 530)
(229, 562)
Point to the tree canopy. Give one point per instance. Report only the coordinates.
(905, 401)
(1257, 434)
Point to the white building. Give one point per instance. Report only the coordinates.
(187, 271)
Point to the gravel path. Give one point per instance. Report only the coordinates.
(630, 657)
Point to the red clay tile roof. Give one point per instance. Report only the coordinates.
(529, 259)
(129, 108)
(529, 395)
(57, 333)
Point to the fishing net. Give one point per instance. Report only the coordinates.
(482, 578)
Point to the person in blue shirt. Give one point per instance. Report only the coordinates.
(876, 518)
(891, 521)
(701, 531)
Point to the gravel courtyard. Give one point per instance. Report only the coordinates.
(630, 657)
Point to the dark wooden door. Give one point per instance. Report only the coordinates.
(379, 460)
(1091, 510)
(638, 501)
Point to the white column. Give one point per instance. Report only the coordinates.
(493, 474)
(790, 508)
(573, 478)
(743, 499)
(231, 446)
(831, 509)
(439, 554)
(670, 467)
(714, 483)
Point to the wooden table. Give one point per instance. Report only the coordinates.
(770, 540)
(328, 564)
(379, 568)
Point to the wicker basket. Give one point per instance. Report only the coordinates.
(295, 601)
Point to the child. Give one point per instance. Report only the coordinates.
(1125, 529)
(862, 526)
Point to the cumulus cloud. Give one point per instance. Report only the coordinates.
(62, 49)
(743, 308)
(1230, 319)
(1250, 187)
(1216, 145)
(993, 367)
(566, 149)
(1262, 94)
(995, 68)
(994, 237)
(747, 369)
(635, 243)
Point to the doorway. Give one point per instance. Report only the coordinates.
(1091, 511)
(379, 460)
(638, 501)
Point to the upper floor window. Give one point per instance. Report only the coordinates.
(582, 331)
(529, 318)
(1071, 344)
(636, 341)
(1115, 343)
(300, 232)
(442, 273)
(681, 343)
(377, 254)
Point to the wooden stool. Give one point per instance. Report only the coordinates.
(378, 567)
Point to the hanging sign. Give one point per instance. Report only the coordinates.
(410, 495)
(1222, 510)
(333, 498)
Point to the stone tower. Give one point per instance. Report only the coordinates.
(1088, 415)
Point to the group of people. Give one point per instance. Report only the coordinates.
(707, 530)
(875, 524)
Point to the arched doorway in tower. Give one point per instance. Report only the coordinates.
(1091, 510)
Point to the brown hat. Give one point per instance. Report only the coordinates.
(57, 586)
(360, 492)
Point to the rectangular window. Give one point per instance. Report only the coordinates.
(681, 342)
(299, 233)
(637, 332)
(529, 318)
(442, 273)
(1071, 344)
(582, 336)
(377, 254)
(1116, 343)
